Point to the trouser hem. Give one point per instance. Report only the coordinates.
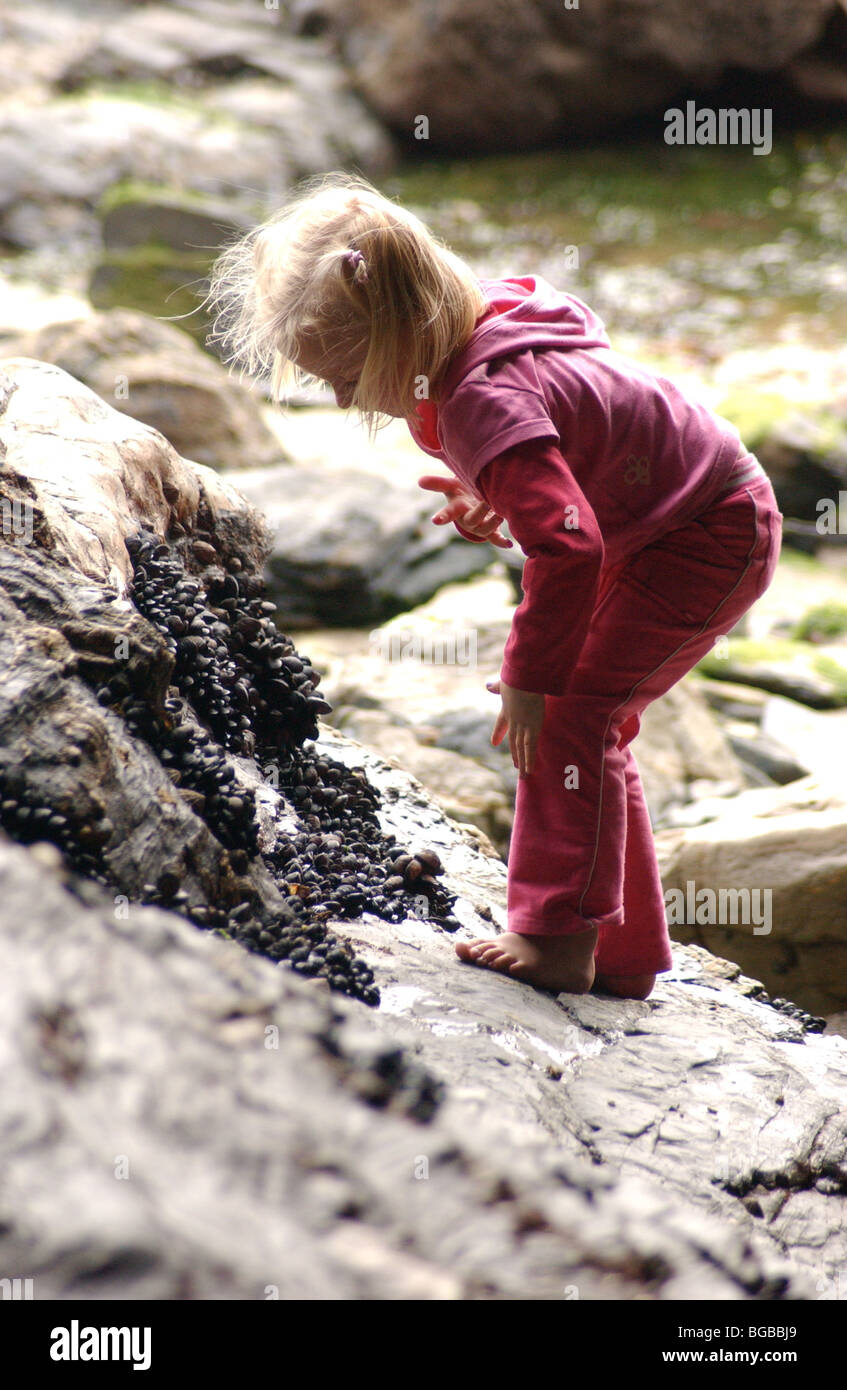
(571, 926)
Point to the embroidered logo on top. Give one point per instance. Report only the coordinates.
(638, 470)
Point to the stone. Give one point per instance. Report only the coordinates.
(785, 849)
(155, 372)
(79, 435)
(351, 547)
(489, 79)
(425, 670)
(465, 790)
(179, 1111)
(812, 675)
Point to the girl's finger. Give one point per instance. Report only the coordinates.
(454, 511)
(500, 726)
(433, 483)
(513, 747)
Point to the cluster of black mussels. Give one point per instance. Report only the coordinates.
(257, 694)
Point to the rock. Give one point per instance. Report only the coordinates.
(785, 849)
(682, 752)
(566, 73)
(133, 214)
(425, 671)
(471, 1138)
(156, 373)
(78, 436)
(802, 445)
(815, 676)
(465, 791)
(197, 126)
(817, 739)
(71, 150)
(761, 754)
(541, 1177)
(350, 547)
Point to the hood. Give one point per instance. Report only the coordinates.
(528, 313)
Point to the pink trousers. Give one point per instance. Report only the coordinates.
(581, 851)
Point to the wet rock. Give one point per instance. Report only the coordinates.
(385, 1160)
(190, 672)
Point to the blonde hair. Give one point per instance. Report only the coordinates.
(410, 298)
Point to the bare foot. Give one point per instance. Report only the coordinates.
(626, 986)
(550, 962)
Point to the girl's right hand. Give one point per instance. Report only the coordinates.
(476, 517)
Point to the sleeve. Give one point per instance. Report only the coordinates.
(498, 405)
(555, 526)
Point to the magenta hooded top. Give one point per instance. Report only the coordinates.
(540, 366)
(626, 446)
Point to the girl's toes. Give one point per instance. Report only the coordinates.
(469, 950)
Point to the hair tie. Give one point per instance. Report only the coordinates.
(353, 259)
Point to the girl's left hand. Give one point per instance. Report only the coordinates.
(522, 713)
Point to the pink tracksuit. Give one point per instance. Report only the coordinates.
(648, 530)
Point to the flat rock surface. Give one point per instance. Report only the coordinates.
(183, 1120)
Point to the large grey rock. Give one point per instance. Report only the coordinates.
(784, 848)
(350, 547)
(157, 374)
(492, 77)
(182, 1120)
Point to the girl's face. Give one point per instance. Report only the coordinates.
(337, 363)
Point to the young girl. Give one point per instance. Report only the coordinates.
(648, 531)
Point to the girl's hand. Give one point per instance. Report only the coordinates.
(476, 517)
(522, 713)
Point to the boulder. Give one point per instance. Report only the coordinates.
(351, 547)
(509, 77)
(189, 1119)
(778, 857)
(157, 374)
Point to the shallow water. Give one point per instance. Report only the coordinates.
(682, 250)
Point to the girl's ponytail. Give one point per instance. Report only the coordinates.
(342, 261)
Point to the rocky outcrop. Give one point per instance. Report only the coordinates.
(492, 77)
(188, 1117)
(184, 1121)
